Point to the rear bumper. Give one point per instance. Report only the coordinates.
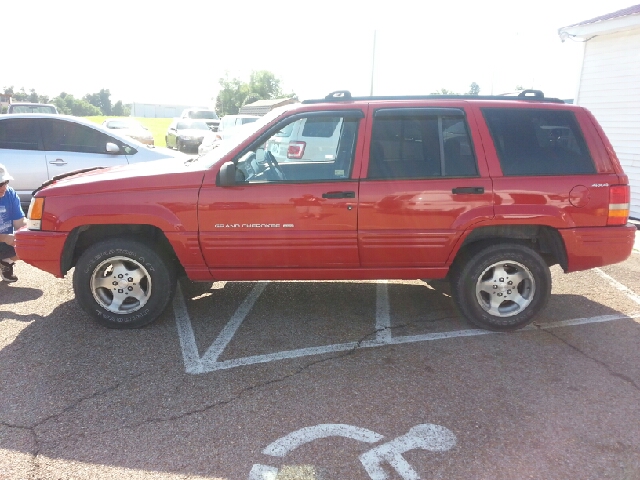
(43, 250)
(595, 247)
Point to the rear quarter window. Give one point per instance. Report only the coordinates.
(538, 142)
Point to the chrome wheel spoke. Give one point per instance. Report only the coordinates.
(494, 305)
(116, 303)
(103, 282)
(518, 277)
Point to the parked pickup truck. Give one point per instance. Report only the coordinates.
(485, 191)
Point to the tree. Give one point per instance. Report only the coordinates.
(251, 98)
(69, 105)
(120, 110)
(234, 93)
(33, 96)
(100, 100)
(20, 96)
(444, 91)
(474, 89)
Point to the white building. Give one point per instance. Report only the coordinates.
(609, 84)
(157, 110)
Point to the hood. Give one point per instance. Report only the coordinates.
(155, 175)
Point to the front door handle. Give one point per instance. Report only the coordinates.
(468, 190)
(339, 195)
(58, 161)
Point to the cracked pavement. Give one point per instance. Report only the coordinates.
(80, 401)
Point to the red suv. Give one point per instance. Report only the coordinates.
(486, 191)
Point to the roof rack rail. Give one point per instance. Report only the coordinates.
(527, 95)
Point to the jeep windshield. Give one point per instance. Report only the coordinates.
(211, 158)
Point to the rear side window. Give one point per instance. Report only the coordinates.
(19, 134)
(423, 145)
(538, 142)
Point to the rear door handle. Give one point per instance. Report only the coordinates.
(468, 190)
(339, 195)
(58, 161)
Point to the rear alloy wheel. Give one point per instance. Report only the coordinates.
(123, 283)
(501, 287)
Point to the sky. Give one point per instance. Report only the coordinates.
(176, 52)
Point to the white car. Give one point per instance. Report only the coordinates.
(37, 147)
(305, 139)
(130, 128)
(210, 117)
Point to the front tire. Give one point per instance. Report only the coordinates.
(123, 284)
(501, 287)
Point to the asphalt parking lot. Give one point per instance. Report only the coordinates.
(322, 380)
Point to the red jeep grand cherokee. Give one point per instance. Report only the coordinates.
(487, 191)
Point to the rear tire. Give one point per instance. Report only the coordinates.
(500, 287)
(179, 146)
(123, 284)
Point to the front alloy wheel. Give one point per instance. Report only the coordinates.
(123, 283)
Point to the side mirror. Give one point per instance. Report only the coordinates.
(112, 148)
(227, 174)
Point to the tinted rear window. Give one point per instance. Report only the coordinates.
(538, 142)
(19, 134)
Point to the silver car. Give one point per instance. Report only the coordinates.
(37, 147)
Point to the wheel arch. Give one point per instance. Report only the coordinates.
(545, 240)
(81, 238)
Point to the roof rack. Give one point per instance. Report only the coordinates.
(528, 95)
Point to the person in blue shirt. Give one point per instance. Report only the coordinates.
(11, 218)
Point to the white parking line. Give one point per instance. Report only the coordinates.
(618, 286)
(194, 364)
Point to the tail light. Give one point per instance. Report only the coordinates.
(619, 200)
(296, 150)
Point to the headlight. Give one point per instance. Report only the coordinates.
(34, 217)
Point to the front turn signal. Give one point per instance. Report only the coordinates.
(34, 217)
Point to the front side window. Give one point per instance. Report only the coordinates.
(538, 141)
(60, 135)
(420, 145)
(290, 154)
(19, 134)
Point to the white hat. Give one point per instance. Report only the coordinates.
(4, 175)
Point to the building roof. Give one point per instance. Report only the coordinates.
(613, 22)
(609, 16)
(262, 107)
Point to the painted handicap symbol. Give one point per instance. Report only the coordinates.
(428, 436)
